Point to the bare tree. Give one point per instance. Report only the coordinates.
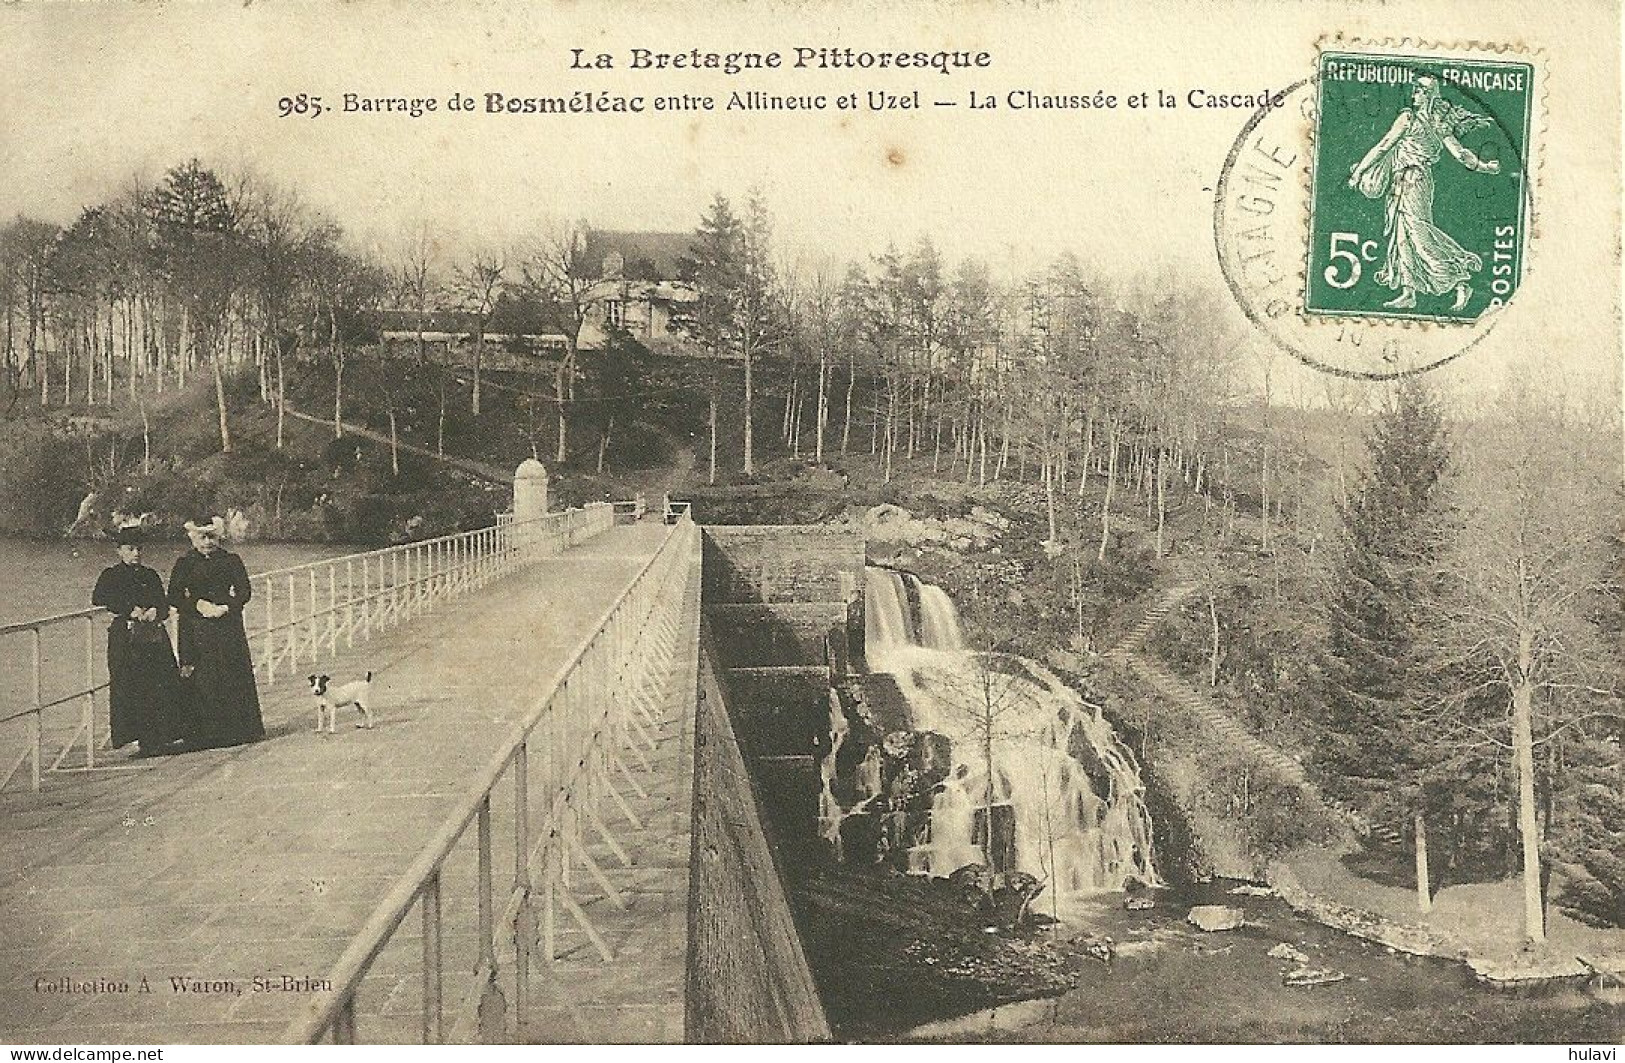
(1519, 636)
(479, 281)
(418, 283)
(556, 272)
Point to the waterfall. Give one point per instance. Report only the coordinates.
(830, 812)
(1031, 762)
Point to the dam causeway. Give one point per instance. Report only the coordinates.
(551, 835)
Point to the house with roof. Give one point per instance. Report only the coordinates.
(637, 290)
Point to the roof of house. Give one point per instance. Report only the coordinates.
(645, 256)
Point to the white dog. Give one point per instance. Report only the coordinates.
(329, 700)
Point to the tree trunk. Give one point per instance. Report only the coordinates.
(750, 465)
(560, 388)
(1049, 494)
(846, 424)
(440, 421)
(1004, 445)
(146, 440)
(281, 396)
(1264, 496)
(394, 445)
(1111, 485)
(1424, 890)
(823, 405)
(603, 442)
(982, 474)
(1162, 502)
(336, 350)
(1523, 748)
(786, 415)
(713, 477)
(479, 359)
(936, 436)
(1213, 657)
(891, 426)
(1088, 453)
(220, 404)
(263, 369)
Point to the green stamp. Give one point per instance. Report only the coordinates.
(1420, 199)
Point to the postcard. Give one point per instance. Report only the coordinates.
(811, 522)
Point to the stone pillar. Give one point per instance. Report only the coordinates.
(529, 501)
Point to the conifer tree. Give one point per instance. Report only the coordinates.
(1394, 529)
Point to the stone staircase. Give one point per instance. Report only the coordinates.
(1205, 713)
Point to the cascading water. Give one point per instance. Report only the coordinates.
(1030, 761)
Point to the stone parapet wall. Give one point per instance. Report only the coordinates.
(748, 978)
(771, 635)
(782, 563)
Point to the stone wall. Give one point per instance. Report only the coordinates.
(759, 635)
(776, 601)
(783, 603)
(782, 563)
(748, 979)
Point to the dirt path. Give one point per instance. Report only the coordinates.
(488, 473)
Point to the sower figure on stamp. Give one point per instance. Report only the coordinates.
(209, 588)
(145, 698)
(1421, 257)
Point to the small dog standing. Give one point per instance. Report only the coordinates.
(330, 699)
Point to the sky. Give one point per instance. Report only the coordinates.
(99, 92)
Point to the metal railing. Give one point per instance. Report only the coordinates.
(562, 781)
(674, 510)
(295, 615)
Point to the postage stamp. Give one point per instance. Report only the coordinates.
(1420, 195)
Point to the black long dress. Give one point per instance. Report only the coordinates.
(227, 706)
(145, 697)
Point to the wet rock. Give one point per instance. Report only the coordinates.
(1216, 917)
(1305, 976)
(974, 883)
(1138, 949)
(1013, 895)
(1283, 951)
(1250, 890)
(1526, 967)
(1100, 947)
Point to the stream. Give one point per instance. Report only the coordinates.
(1173, 983)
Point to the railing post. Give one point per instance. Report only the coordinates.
(366, 598)
(490, 1013)
(349, 602)
(332, 608)
(524, 926)
(293, 627)
(551, 745)
(433, 1012)
(420, 564)
(90, 693)
(39, 709)
(311, 619)
(269, 639)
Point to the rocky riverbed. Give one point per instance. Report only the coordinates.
(1275, 976)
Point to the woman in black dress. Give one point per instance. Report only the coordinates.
(143, 684)
(209, 588)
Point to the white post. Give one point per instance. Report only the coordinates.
(529, 500)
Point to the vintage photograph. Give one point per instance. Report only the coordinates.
(812, 522)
